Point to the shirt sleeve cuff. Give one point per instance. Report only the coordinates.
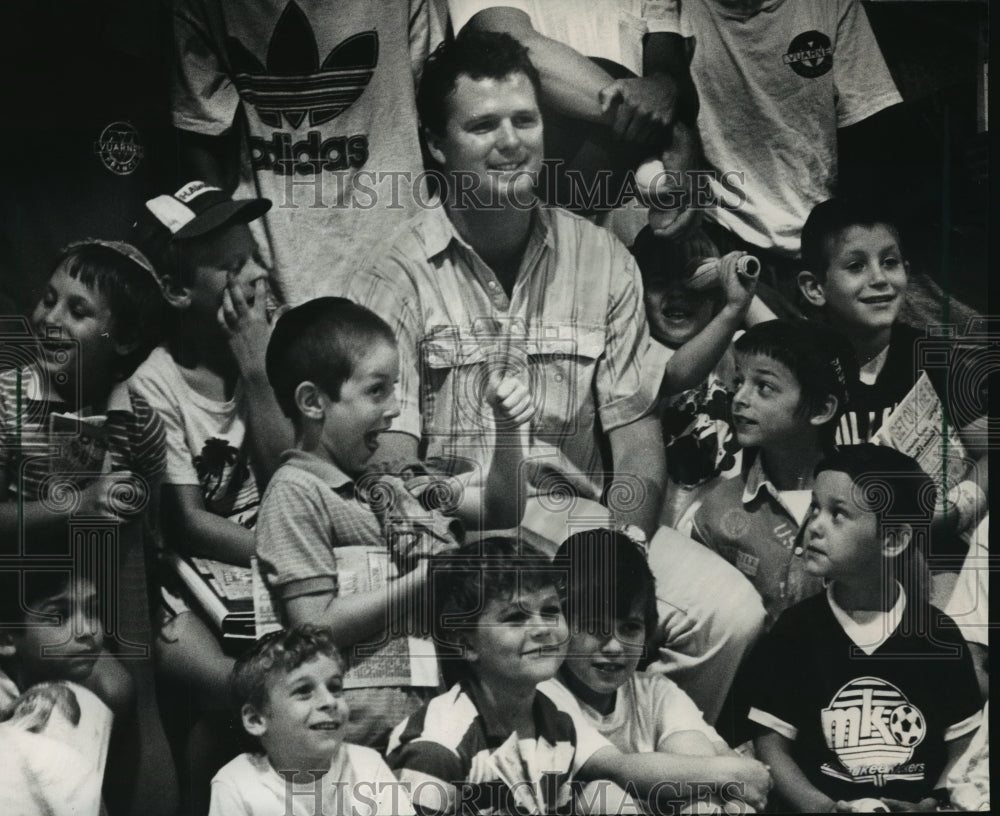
(966, 726)
(772, 722)
(319, 585)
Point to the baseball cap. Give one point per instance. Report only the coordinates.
(198, 208)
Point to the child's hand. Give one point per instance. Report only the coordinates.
(510, 400)
(245, 324)
(755, 780)
(869, 805)
(112, 496)
(737, 287)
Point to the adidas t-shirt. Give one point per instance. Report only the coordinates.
(326, 94)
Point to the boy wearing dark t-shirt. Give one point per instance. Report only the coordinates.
(865, 691)
(856, 275)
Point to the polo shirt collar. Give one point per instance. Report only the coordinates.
(325, 471)
(756, 481)
(868, 636)
(439, 230)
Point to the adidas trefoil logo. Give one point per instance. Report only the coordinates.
(294, 84)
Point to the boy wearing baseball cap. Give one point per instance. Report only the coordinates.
(224, 430)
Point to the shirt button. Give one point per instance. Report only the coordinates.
(492, 284)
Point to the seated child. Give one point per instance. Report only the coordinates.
(332, 541)
(500, 738)
(50, 632)
(289, 690)
(77, 442)
(610, 605)
(857, 278)
(96, 321)
(224, 432)
(697, 325)
(865, 691)
(790, 387)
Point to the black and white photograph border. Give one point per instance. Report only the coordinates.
(89, 138)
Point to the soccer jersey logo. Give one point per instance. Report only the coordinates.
(873, 729)
(293, 84)
(810, 54)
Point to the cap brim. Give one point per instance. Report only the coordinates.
(226, 212)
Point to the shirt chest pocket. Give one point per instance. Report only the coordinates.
(557, 362)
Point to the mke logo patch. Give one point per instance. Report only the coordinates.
(873, 729)
(293, 85)
(810, 55)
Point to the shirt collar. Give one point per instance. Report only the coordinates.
(439, 230)
(756, 480)
(324, 470)
(869, 636)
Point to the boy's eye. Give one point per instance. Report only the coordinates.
(891, 263)
(302, 691)
(551, 611)
(482, 126)
(526, 121)
(765, 388)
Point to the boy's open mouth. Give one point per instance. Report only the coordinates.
(608, 668)
(878, 300)
(371, 440)
(326, 726)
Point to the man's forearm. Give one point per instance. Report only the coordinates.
(638, 454)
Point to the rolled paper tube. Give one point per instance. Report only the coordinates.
(706, 272)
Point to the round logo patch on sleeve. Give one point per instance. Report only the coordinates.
(810, 55)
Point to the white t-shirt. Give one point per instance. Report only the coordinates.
(359, 783)
(326, 91)
(649, 708)
(206, 439)
(612, 29)
(773, 89)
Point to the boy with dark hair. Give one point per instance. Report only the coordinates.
(865, 691)
(289, 689)
(790, 386)
(611, 608)
(350, 551)
(856, 275)
(50, 630)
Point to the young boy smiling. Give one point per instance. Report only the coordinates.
(328, 536)
(502, 738)
(866, 690)
(289, 689)
(857, 277)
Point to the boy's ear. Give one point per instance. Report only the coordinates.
(896, 540)
(826, 413)
(176, 294)
(811, 288)
(309, 400)
(254, 723)
(433, 146)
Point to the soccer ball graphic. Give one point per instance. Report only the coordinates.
(906, 724)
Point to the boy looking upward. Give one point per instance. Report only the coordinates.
(865, 690)
(790, 386)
